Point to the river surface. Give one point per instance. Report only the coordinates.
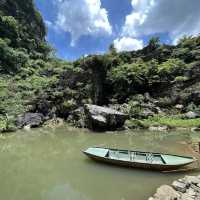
(47, 164)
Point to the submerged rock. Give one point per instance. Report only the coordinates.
(102, 119)
(30, 119)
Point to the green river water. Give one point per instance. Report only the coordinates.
(47, 164)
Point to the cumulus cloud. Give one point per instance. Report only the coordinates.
(48, 23)
(82, 17)
(177, 18)
(128, 44)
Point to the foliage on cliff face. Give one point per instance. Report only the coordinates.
(22, 35)
(26, 65)
(155, 68)
(19, 17)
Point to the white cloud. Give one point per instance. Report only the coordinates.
(82, 17)
(176, 17)
(128, 44)
(48, 23)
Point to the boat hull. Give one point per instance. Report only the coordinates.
(132, 164)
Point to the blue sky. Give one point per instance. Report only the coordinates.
(82, 27)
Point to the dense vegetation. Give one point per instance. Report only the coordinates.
(156, 84)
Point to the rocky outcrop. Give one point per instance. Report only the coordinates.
(32, 120)
(101, 118)
(187, 188)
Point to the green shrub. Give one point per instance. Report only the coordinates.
(11, 60)
(181, 78)
(9, 28)
(170, 69)
(129, 78)
(193, 107)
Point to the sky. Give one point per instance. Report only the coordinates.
(81, 27)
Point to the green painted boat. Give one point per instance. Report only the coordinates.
(139, 159)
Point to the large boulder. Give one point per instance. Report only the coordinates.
(32, 120)
(102, 118)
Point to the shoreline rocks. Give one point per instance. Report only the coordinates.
(187, 188)
(31, 120)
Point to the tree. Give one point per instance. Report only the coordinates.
(112, 49)
(98, 65)
(154, 43)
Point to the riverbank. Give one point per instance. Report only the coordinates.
(156, 123)
(163, 123)
(187, 188)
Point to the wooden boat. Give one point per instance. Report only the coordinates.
(139, 159)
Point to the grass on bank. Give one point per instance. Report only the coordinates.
(171, 121)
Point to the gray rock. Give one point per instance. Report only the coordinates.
(152, 107)
(179, 186)
(179, 106)
(186, 188)
(30, 119)
(53, 123)
(166, 192)
(151, 198)
(191, 179)
(147, 96)
(195, 188)
(158, 128)
(102, 119)
(147, 113)
(99, 120)
(191, 192)
(27, 127)
(77, 118)
(191, 115)
(186, 197)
